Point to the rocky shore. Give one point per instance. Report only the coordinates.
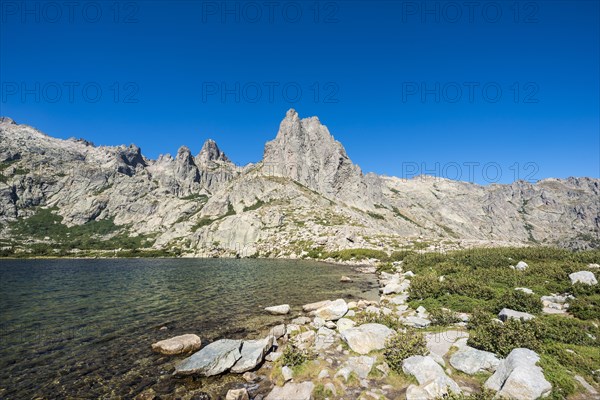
(336, 349)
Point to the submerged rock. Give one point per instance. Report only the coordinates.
(178, 345)
(519, 377)
(214, 359)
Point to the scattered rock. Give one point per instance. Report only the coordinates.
(439, 343)
(524, 290)
(366, 338)
(304, 340)
(433, 381)
(361, 366)
(330, 387)
(507, 313)
(295, 391)
(278, 331)
(325, 338)
(315, 306)
(519, 377)
(472, 361)
(237, 394)
(344, 324)
(590, 389)
(324, 374)
(416, 322)
(214, 359)
(521, 266)
(585, 277)
(318, 322)
(287, 373)
(253, 353)
(345, 279)
(178, 345)
(279, 310)
(301, 321)
(333, 311)
(250, 377)
(274, 356)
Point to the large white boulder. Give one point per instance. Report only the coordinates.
(471, 361)
(333, 311)
(519, 377)
(507, 313)
(366, 338)
(433, 381)
(585, 277)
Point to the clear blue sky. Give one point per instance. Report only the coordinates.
(369, 70)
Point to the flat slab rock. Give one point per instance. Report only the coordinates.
(253, 353)
(471, 361)
(178, 345)
(333, 310)
(519, 377)
(214, 359)
(292, 391)
(367, 337)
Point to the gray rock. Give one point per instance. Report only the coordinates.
(305, 339)
(524, 290)
(361, 366)
(253, 353)
(472, 361)
(519, 377)
(273, 356)
(585, 277)
(440, 343)
(301, 321)
(287, 373)
(366, 338)
(214, 359)
(333, 311)
(324, 374)
(237, 394)
(278, 331)
(295, 391)
(325, 338)
(416, 322)
(178, 345)
(315, 306)
(507, 313)
(344, 324)
(346, 279)
(521, 266)
(330, 388)
(432, 379)
(279, 310)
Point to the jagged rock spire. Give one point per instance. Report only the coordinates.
(211, 152)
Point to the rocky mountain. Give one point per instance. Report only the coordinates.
(304, 198)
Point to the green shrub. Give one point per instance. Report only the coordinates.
(443, 317)
(585, 308)
(570, 331)
(403, 345)
(519, 301)
(503, 338)
(373, 318)
(293, 356)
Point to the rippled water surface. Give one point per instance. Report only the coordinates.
(83, 328)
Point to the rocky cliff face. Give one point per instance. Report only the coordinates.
(305, 197)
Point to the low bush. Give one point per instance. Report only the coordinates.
(390, 320)
(501, 338)
(585, 308)
(293, 356)
(403, 345)
(519, 301)
(443, 317)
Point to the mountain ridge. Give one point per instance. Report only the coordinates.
(304, 197)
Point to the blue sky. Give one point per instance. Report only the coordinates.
(407, 87)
